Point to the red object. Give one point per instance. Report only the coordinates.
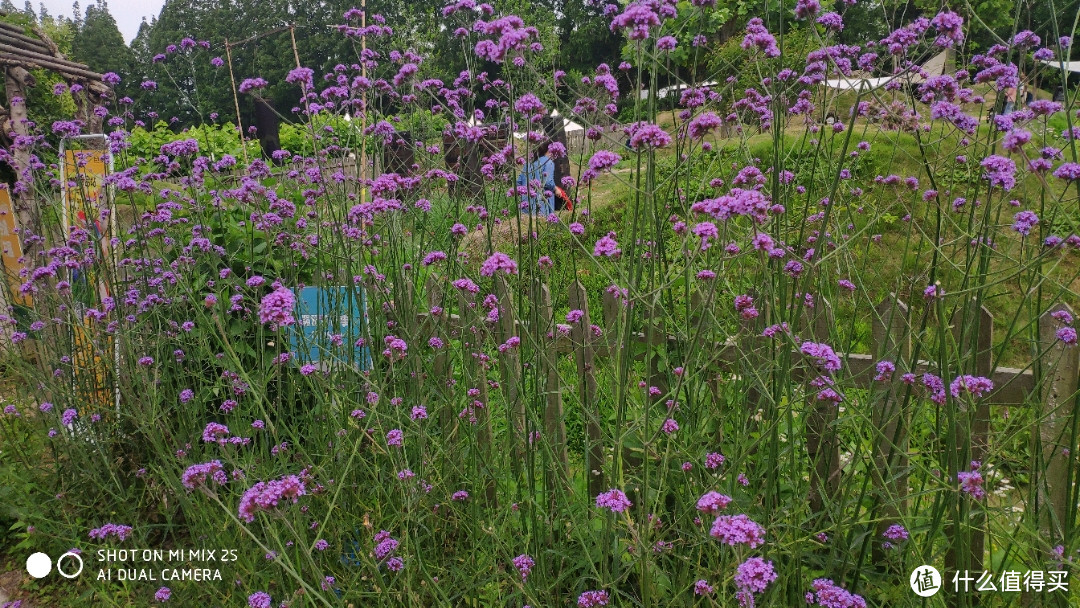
(568, 204)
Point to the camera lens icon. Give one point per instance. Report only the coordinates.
(73, 557)
(39, 565)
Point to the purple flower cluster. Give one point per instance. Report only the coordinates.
(950, 28)
(196, 475)
(950, 112)
(276, 308)
(999, 171)
(591, 599)
(896, 533)
(1024, 221)
(638, 17)
(496, 262)
(828, 594)
(215, 432)
(251, 84)
(976, 386)
(1067, 335)
(121, 532)
(738, 530)
(713, 502)
(385, 546)
(702, 124)
(260, 599)
(822, 354)
(613, 499)
(265, 495)
(1068, 172)
(395, 438)
(753, 576)
(758, 37)
(524, 565)
(885, 370)
(602, 160)
(713, 460)
(181, 147)
(736, 203)
(805, 9)
(513, 39)
(971, 483)
(607, 246)
(647, 135)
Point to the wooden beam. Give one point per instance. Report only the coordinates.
(16, 82)
(23, 42)
(14, 55)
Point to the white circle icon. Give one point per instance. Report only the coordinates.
(74, 556)
(39, 565)
(925, 581)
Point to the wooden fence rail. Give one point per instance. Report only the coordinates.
(891, 402)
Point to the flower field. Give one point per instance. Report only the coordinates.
(794, 340)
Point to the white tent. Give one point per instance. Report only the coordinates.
(568, 125)
(674, 89)
(1071, 66)
(942, 63)
(938, 65)
(855, 83)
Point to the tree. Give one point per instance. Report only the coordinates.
(99, 43)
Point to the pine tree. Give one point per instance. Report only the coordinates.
(99, 43)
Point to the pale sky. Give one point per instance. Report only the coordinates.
(128, 13)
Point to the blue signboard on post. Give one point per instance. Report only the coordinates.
(329, 321)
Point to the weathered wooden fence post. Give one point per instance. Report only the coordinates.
(975, 341)
(441, 369)
(584, 356)
(510, 363)
(1055, 441)
(611, 309)
(700, 322)
(474, 334)
(554, 419)
(890, 335)
(656, 341)
(821, 445)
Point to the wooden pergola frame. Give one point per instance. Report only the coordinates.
(21, 52)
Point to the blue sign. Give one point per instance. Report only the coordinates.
(329, 321)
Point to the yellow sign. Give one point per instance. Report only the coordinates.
(84, 171)
(90, 379)
(10, 248)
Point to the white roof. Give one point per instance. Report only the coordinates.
(849, 84)
(942, 63)
(676, 88)
(569, 125)
(1071, 66)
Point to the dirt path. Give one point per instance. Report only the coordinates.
(9, 586)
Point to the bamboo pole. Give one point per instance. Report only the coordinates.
(236, 103)
(362, 165)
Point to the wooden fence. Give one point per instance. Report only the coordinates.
(891, 416)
